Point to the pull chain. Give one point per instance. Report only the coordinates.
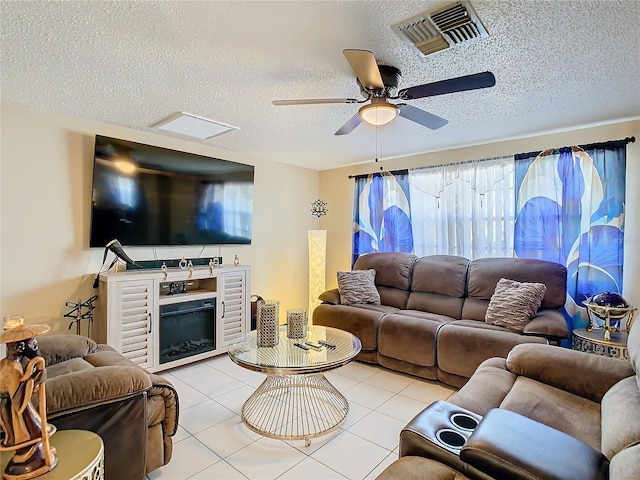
(377, 147)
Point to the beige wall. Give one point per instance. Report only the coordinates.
(45, 186)
(337, 189)
(46, 169)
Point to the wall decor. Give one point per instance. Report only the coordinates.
(319, 208)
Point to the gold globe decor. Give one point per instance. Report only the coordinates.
(612, 309)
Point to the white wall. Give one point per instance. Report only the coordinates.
(337, 189)
(46, 168)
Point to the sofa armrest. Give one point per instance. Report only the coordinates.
(163, 388)
(509, 445)
(581, 373)
(59, 348)
(548, 323)
(330, 296)
(86, 388)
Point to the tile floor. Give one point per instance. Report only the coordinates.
(213, 444)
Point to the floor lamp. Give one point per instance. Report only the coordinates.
(317, 263)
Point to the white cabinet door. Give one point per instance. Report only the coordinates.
(134, 312)
(232, 308)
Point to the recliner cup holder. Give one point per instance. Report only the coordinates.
(446, 426)
(451, 438)
(464, 421)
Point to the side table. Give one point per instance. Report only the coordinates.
(593, 342)
(80, 456)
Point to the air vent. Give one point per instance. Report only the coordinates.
(430, 32)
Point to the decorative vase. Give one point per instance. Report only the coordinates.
(297, 325)
(268, 323)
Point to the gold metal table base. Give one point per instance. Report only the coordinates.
(295, 407)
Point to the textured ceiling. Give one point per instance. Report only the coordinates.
(558, 64)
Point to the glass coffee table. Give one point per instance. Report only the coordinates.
(296, 401)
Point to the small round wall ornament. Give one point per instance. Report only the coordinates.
(319, 208)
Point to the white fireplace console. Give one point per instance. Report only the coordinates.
(129, 317)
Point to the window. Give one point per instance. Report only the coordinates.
(464, 209)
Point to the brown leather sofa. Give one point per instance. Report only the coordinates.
(92, 387)
(589, 402)
(431, 319)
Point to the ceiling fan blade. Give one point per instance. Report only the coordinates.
(313, 101)
(365, 67)
(425, 119)
(351, 124)
(459, 84)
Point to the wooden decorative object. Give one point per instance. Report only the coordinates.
(24, 430)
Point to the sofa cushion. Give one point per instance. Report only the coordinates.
(620, 428)
(393, 275)
(443, 274)
(626, 464)
(83, 388)
(410, 336)
(514, 303)
(414, 467)
(549, 323)
(361, 322)
(564, 411)
(59, 348)
(358, 286)
(68, 366)
(581, 373)
(464, 344)
(487, 388)
(438, 285)
(484, 273)
(393, 269)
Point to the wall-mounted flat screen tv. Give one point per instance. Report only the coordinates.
(151, 196)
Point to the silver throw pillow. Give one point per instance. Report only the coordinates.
(358, 286)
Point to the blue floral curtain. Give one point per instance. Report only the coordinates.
(381, 214)
(570, 209)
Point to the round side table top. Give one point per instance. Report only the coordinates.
(288, 359)
(597, 336)
(80, 456)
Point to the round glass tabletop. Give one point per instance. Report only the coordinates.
(324, 348)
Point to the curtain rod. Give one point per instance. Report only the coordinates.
(392, 172)
(589, 146)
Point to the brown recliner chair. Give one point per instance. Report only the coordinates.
(92, 387)
(570, 409)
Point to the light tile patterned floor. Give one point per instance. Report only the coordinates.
(213, 444)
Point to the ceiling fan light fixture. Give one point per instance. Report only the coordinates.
(378, 113)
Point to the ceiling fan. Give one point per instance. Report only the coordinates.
(379, 83)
